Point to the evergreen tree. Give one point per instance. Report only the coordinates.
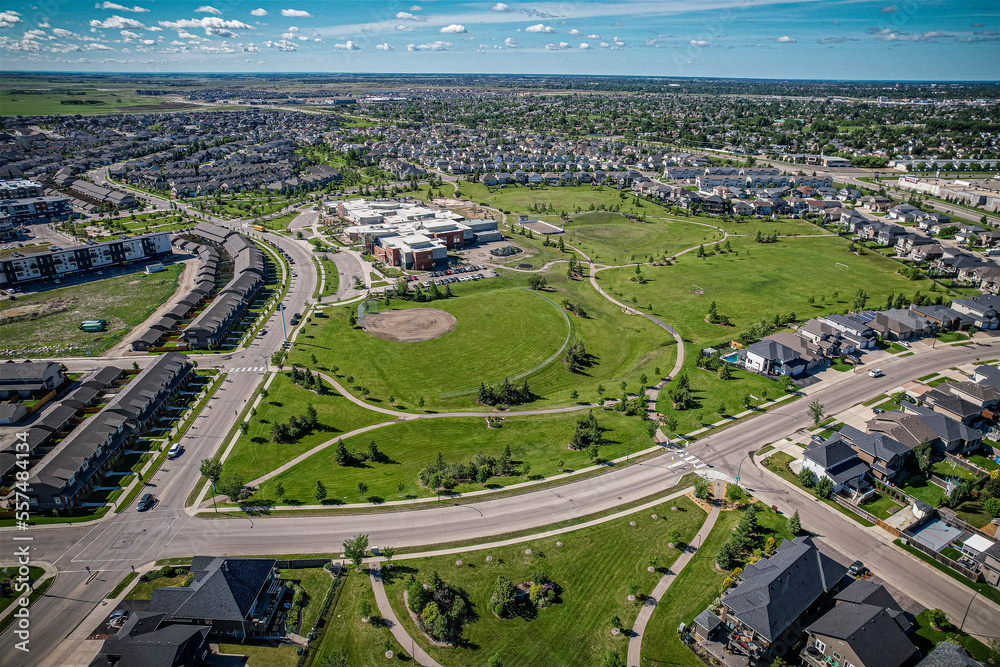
(794, 524)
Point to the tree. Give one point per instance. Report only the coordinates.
(922, 456)
(794, 524)
(420, 403)
(320, 493)
(938, 619)
(364, 608)
(807, 478)
(573, 395)
(279, 490)
(816, 412)
(724, 372)
(536, 282)
(211, 470)
(502, 599)
(356, 548)
(343, 457)
(362, 489)
(495, 660)
(824, 487)
(335, 659)
(735, 493)
(992, 506)
(702, 489)
(726, 557)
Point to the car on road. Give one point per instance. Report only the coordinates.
(294, 321)
(878, 411)
(174, 451)
(875, 373)
(146, 502)
(857, 569)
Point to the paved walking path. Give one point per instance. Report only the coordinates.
(634, 658)
(397, 629)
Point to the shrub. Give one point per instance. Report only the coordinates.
(807, 478)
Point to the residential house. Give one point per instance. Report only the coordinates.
(884, 455)
(902, 324)
(852, 329)
(922, 424)
(769, 357)
(866, 628)
(28, 378)
(947, 654)
(776, 598)
(976, 313)
(837, 461)
(145, 640)
(904, 213)
(234, 597)
(876, 203)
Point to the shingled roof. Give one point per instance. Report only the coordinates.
(870, 630)
(223, 589)
(775, 591)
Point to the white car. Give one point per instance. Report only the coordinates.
(875, 373)
(904, 343)
(174, 451)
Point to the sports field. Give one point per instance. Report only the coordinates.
(540, 440)
(83, 100)
(47, 323)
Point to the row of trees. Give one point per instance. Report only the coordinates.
(746, 539)
(577, 358)
(574, 307)
(305, 378)
(441, 475)
(441, 608)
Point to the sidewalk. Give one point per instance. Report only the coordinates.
(397, 629)
(634, 658)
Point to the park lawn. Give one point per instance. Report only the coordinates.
(536, 254)
(576, 198)
(614, 239)
(540, 441)
(951, 336)
(881, 506)
(925, 638)
(757, 281)
(923, 489)
(749, 227)
(144, 589)
(946, 468)
(595, 569)
(263, 655)
(332, 281)
(361, 643)
(124, 301)
(317, 583)
(255, 454)
(709, 393)
(280, 223)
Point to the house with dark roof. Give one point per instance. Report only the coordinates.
(772, 358)
(146, 641)
(235, 597)
(776, 598)
(884, 455)
(947, 654)
(921, 422)
(866, 628)
(837, 460)
(29, 377)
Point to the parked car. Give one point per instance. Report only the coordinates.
(857, 569)
(875, 373)
(904, 343)
(818, 438)
(146, 502)
(878, 411)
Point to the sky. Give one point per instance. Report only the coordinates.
(894, 40)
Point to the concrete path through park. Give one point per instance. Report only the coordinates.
(398, 631)
(635, 642)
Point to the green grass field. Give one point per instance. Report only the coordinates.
(925, 638)
(612, 238)
(595, 569)
(107, 101)
(317, 582)
(124, 301)
(260, 655)
(501, 332)
(144, 589)
(541, 441)
(572, 199)
(758, 280)
(361, 643)
(255, 454)
(881, 506)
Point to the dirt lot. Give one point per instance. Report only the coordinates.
(411, 325)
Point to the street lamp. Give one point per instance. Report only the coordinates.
(961, 627)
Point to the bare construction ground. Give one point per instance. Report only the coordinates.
(411, 325)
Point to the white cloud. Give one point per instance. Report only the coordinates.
(604, 45)
(403, 28)
(208, 9)
(407, 16)
(574, 32)
(221, 32)
(584, 46)
(148, 42)
(416, 8)
(129, 35)
(283, 45)
(296, 13)
(61, 32)
(293, 28)
(206, 23)
(510, 43)
(155, 28)
(618, 41)
(118, 23)
(785, 39)
(501, 7)
(454, 29)
(99, 47)
(260, 11)
(184, 34)
(593, 36)
(430, 46)
(121, 8)
(698, 42)
(557, 47)
(177, 42)
(347, 46)
(539, 27)
(384, 46)
(889, 10)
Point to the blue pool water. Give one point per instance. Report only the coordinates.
(731, 357)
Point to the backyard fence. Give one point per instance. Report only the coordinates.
(941, 558)
(968, 465)
(952, 518)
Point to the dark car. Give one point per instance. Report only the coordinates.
(146, 502)
(857, 569)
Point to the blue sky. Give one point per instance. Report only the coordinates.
(822, 39)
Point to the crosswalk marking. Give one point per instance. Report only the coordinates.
(248, 369)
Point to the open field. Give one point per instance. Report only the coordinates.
(501, 332)
(261, 655)
(571, 199)
(595, 569)
(255, 454)
(541, 441)
(612, 238)
(124, 301)
(85, 100)
(758, 280)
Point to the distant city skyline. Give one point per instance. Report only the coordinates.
(949, 40)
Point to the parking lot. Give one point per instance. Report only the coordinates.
(458, 274)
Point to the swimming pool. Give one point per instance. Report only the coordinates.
(731, 357)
